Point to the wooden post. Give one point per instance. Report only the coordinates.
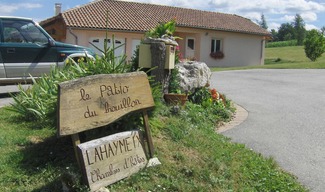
(158, 57)
(75, 142)
(148, 133)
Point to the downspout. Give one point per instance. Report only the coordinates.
(262, 51)
(74, 35)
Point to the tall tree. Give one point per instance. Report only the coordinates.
(300, 31)
(263, 23)
(274, 35)
(286, 32)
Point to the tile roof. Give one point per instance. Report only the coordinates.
(142, 17)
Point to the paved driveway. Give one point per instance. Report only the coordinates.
(286, 117)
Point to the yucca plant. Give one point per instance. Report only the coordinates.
(167, 28)
(39, 101)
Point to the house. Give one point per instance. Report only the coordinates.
(240, 40)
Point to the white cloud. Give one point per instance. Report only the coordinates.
(309, 16)
(6, 9)
(254, 16)
(288, 18)
(274, 26)
(272, 6)
(310, 27)
(30, 5)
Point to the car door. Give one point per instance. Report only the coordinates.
(25, 49)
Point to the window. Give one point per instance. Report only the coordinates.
(215, 45)
(190, 44)
(12, 35)
(216, 49)
(22, 32)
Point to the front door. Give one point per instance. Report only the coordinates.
(190, 48)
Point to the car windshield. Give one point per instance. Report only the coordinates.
(23, 32)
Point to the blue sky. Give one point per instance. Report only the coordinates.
(276, 12)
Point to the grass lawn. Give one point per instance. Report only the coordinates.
(194, 158)
(284, 58)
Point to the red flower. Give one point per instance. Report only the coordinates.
(213, 91)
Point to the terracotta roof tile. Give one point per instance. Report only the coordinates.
(131, 16)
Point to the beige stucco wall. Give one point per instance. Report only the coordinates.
(239, 49)
(83, 37)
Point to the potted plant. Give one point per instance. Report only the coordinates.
(175, 96)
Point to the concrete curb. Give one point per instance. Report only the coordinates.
(240, 116)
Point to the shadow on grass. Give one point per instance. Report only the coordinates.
(53, 151)
(52, 161)
(41, 160)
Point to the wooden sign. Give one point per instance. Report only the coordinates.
(112, 158)
(98, 100)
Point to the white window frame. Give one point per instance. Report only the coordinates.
(214, 46)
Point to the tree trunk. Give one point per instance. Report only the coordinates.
(158, 57)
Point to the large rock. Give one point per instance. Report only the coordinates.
(193, 75)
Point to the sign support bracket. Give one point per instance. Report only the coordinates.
(148, 134)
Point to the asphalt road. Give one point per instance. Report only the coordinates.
(286, 118)
(5, 98)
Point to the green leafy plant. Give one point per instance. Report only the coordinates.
(178, 55)
(164, 28)
(135, 59)
(212, 101)
(39, 101)
(200, 95)
(174, 80)
(314, 44)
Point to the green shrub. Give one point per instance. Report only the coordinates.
(200, 95)
(314, 44)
